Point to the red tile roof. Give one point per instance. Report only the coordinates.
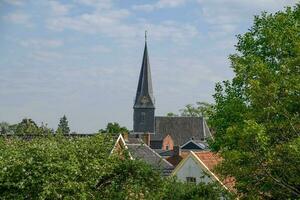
(210, 160)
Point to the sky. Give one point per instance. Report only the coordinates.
(82, 58)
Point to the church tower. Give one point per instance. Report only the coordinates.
(143, 114)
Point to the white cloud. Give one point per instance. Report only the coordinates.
(113, 23)
(100, 49)
(45, 56)
(115, 27)
(159, 5)
(15, 2)
(90, 23)
(224, 16)
(98, 4)
(58, 8)
(18, 17)
(41, 43)
(177, 32)
(222, 10)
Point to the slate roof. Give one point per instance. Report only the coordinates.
(139, 150)
(181, 129)
(164, 153)
(194, 145)
(145, 84)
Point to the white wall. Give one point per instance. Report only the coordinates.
(192, 169)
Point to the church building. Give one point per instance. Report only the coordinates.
(161, 132)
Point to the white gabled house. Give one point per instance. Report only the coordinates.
(198, 167)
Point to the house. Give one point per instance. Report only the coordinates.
(137, 149)
(199, 167)
(165, 132)
(177, 156)
(194, 145)
(191, 145)
(180, 129)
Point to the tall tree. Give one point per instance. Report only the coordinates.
(27, 127)
(4, 128)
(256, 116)
(63, 125)
(201, 109)
(114, 127)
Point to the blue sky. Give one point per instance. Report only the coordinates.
(82, 57)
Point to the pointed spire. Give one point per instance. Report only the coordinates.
(144, 94)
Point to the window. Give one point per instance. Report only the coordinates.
(190, 179)
(167, 147)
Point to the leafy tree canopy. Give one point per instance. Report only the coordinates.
(59, 167)
(171, 114)
(114, 127)
(63, 126)
(27, 127)
(4, 128)
(201, 109)
(256, 116)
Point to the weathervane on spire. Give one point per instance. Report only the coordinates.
(145, 35)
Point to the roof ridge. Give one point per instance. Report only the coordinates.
(159, 156)
(179, 117)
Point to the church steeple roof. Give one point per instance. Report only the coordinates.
(144, 94)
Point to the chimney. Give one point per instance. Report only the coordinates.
(146, 138)
(176, 150)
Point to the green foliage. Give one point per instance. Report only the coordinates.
(201, 109)
(4, 128)
(45, 130)
(52, 167)
(130, 180)
(114, 128)
(27, 127)
(170, 114)
(256, 116)
(61, 167)
(174, 190)
(63, 126)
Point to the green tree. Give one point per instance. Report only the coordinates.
(27, 127)
(256, 118)
(63, 125)
(114, 127)
(53, 167)
(129, 179)
(57, 167)
(201, 109)
(174, 190)
(171, 114)
(45, 130)
(4, 128)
